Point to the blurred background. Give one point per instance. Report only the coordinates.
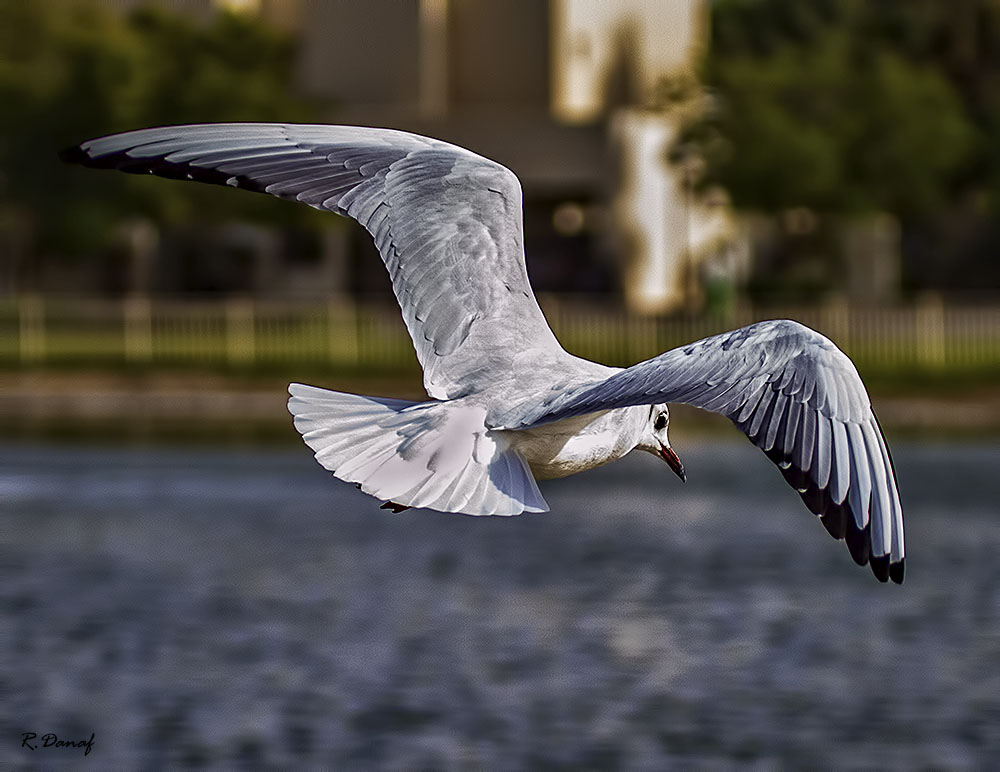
(182, 580)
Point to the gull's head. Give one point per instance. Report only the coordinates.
(655, 440)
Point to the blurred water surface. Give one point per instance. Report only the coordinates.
(242, 608)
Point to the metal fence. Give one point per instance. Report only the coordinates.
(246, 334)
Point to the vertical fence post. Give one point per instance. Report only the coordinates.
(342, 331)
(640, 338)
(927, 335)
(836, 316)
(930, 332)
(31, 327)
(138, 318)
(240, 344)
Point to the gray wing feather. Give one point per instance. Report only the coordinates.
(841, 478)
(778, 415)
(861, 490)
(821, 468)
(807, 438)
(446, 221)
(797, 397)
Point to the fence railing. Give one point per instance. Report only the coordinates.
(246, 334)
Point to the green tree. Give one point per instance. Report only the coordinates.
(847, 108)
(71, 70)
(812, 110)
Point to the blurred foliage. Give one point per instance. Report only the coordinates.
(70, 71)
(845, 106)
(848, 108)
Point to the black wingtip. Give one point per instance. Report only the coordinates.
(839, 520)
(813, 498)
(896, 571)
(160, 167)
(859, 543)
(880, 567)
(834, 518)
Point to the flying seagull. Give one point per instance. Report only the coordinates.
(507, 403)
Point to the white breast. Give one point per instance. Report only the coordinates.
(576, 444)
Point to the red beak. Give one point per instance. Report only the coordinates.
(673, 461)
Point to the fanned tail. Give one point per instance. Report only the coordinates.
(416, 454)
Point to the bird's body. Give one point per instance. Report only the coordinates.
(572, 445)
(507, 403)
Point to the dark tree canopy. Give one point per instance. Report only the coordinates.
(849, 108)
(821, 105)
(81, 72)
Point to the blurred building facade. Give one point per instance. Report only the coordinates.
(564, 92)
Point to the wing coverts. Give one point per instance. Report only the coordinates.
(446, 222)
(799, 399)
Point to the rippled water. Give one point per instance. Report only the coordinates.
(244, 608)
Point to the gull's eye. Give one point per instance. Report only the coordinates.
(660, 422)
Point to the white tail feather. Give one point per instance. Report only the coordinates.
(418, 454)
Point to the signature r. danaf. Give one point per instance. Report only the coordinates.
(50, 740)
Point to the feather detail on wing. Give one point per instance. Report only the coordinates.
(446, 221)
(798, 398)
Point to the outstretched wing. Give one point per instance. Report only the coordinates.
(799, 399)
(446, 221)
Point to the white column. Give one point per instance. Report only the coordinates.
(433, 96)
